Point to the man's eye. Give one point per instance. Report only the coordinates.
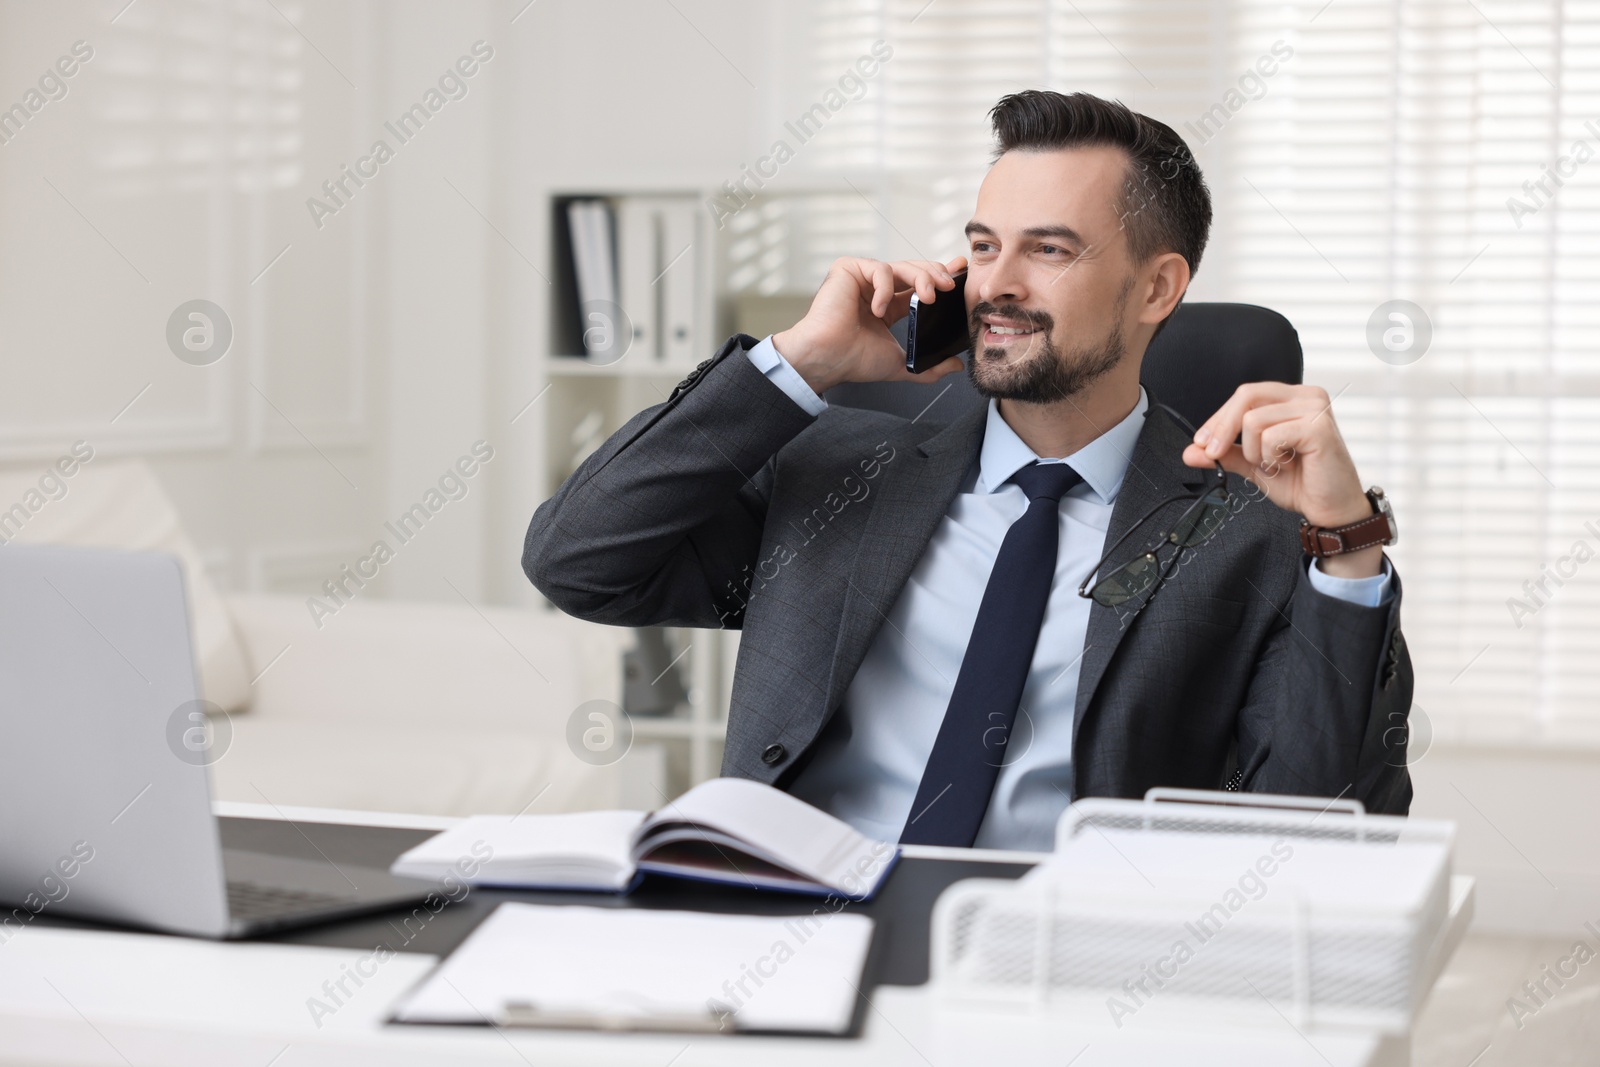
(1051, 250)
(982, 246)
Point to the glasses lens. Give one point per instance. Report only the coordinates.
(1201, 522)
(1126, 582)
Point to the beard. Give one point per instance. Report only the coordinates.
(1045, 374)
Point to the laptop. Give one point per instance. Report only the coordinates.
(105, 811)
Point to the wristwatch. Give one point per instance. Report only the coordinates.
(1320, 542)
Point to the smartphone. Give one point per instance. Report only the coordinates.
(939, 329)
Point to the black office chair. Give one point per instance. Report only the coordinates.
(1204, 354)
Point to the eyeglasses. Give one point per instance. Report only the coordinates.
(1199, 523)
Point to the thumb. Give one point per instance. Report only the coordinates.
(950, 366)
(1232, 461)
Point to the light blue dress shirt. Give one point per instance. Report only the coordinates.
(867, 767)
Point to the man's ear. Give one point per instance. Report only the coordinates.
(1166, 280)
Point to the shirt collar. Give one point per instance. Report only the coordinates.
(1102, 462)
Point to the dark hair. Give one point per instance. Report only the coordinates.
(1165, 206)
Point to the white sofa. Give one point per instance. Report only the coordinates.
(436, 708)
(423, 707)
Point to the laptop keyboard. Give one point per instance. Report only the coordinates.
(249, 901)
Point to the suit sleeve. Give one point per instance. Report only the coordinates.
(1328, 704)
(661, 525)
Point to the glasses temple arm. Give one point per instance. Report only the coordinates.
(1129, 533)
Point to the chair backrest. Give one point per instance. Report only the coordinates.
(1204, 354)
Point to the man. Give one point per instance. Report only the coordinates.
(916, 657)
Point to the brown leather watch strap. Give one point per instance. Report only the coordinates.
(1320, 542)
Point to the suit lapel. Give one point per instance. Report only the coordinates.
(913, 498)
(1155, 473)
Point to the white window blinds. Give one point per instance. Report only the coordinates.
(1433, 152)
(1377, 167)
(196, 95)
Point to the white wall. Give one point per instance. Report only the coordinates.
(384, 342)
(435, 293)
(172, 170)
(1528, 826)
(609, 95)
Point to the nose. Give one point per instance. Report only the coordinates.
(1001, 282)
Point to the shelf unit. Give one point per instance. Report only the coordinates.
(587, 402)
(776, 248)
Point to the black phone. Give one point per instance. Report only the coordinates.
(938, 330)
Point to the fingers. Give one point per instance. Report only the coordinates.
(1256, 408)
(1233, 462)
(1219, 432)
(1285, 427)
(880, 282)
(1280, 444)
(1264, 432)
(882, 276)
(1195, 456)
(899, 307)
(1271, 422)
(926, 277)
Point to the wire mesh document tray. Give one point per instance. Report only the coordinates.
(1202, 905)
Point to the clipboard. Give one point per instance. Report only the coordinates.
(578, 966)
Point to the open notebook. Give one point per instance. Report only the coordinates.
(726, 830)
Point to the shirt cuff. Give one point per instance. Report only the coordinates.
(769, 361)
(1373, 592)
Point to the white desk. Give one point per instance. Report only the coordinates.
(91, 997)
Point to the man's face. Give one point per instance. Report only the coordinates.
(1049, 275)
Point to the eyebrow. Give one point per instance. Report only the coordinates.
(1066, 233)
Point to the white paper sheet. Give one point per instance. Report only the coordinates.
(774, 973)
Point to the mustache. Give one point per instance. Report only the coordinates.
(1037, 319)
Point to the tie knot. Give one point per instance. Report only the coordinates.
(1048, 481)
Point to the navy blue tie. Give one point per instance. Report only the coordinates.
(971, 747)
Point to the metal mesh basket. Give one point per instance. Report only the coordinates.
(1111, 952)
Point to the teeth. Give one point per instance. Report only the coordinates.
(1008, 330)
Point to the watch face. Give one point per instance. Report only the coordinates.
(1387, 511)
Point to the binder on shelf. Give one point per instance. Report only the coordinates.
(639, 255)
(679, 271)
(595, 268)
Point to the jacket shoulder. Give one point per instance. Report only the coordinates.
(840, 433)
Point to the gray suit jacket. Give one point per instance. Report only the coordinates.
(728, 506)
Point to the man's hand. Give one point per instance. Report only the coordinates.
(845, 337)
(1291, 448)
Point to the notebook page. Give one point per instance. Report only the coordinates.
(512, 849)
(781, 828)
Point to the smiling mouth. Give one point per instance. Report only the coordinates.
(1001, 334)
(1007, 331)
